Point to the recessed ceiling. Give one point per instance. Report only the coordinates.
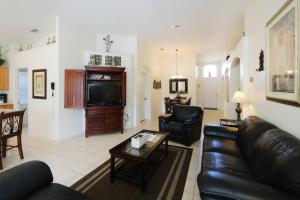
(207, 26)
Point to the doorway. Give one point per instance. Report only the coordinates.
(210, 96)
(22, 91)
(210, 93)
(144, 96)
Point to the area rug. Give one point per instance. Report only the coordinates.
(167, 182)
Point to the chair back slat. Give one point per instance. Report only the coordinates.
(11, 123)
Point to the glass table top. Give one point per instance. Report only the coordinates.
(126, 148)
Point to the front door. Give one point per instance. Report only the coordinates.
(210, 93)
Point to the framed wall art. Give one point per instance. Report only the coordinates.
(39, 84)
(283, 55)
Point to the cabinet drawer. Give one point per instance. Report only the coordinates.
(113, 111)
(112, 123)
(94, 112)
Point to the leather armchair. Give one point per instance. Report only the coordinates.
(33, 181)
(184, 125)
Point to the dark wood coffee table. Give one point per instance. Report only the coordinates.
(139, 164)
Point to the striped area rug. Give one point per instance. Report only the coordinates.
(167, 182)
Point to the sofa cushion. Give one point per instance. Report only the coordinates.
(57, 192)
(225, 163)
(221, 145)
(218, 185)
(275, 160)
(175, 127)
(250, 130)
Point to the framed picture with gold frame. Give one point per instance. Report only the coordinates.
(39, 84)
(282, 33)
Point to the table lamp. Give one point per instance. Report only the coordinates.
(238, 97)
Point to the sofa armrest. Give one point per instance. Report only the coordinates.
(165, 118)
(218, 185)
(16, 183)
(220, 131)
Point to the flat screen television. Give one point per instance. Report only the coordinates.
(106, 94)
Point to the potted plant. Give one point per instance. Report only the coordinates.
(2, 59)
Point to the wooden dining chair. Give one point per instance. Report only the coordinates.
(167, 105)
(11, 124)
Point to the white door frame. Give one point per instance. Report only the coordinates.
(145, 70)
(16, 100)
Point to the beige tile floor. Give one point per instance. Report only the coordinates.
(73, 158)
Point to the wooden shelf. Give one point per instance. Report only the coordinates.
(104, 69)
(113, 79)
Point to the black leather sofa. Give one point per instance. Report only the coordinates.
(33, 181)
(257, 161)
(184, 125)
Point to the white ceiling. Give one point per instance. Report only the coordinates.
(209, 26)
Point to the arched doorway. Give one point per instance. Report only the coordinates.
(234, 84)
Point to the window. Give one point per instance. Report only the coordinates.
(210, 71)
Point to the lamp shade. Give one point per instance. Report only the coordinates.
(238, 97)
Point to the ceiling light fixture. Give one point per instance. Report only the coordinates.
(34, 30)
(176, 76)
(177, 27)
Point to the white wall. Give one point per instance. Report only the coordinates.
(73, 41)
(258, 12)
(240, 52)
(186, 67)
(148, 60)
(43, 114)
(72, 50)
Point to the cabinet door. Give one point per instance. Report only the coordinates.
(4, 78)
(74, 88)
(124, 88)
(94, 124)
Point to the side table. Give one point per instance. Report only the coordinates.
(229, 122)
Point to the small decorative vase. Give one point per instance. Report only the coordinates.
(53, 40)
(49, 41)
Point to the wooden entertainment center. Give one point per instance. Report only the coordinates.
(101, 117)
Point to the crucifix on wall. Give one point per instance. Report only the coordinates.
(108, 43)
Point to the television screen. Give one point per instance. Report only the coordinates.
(107, 94)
